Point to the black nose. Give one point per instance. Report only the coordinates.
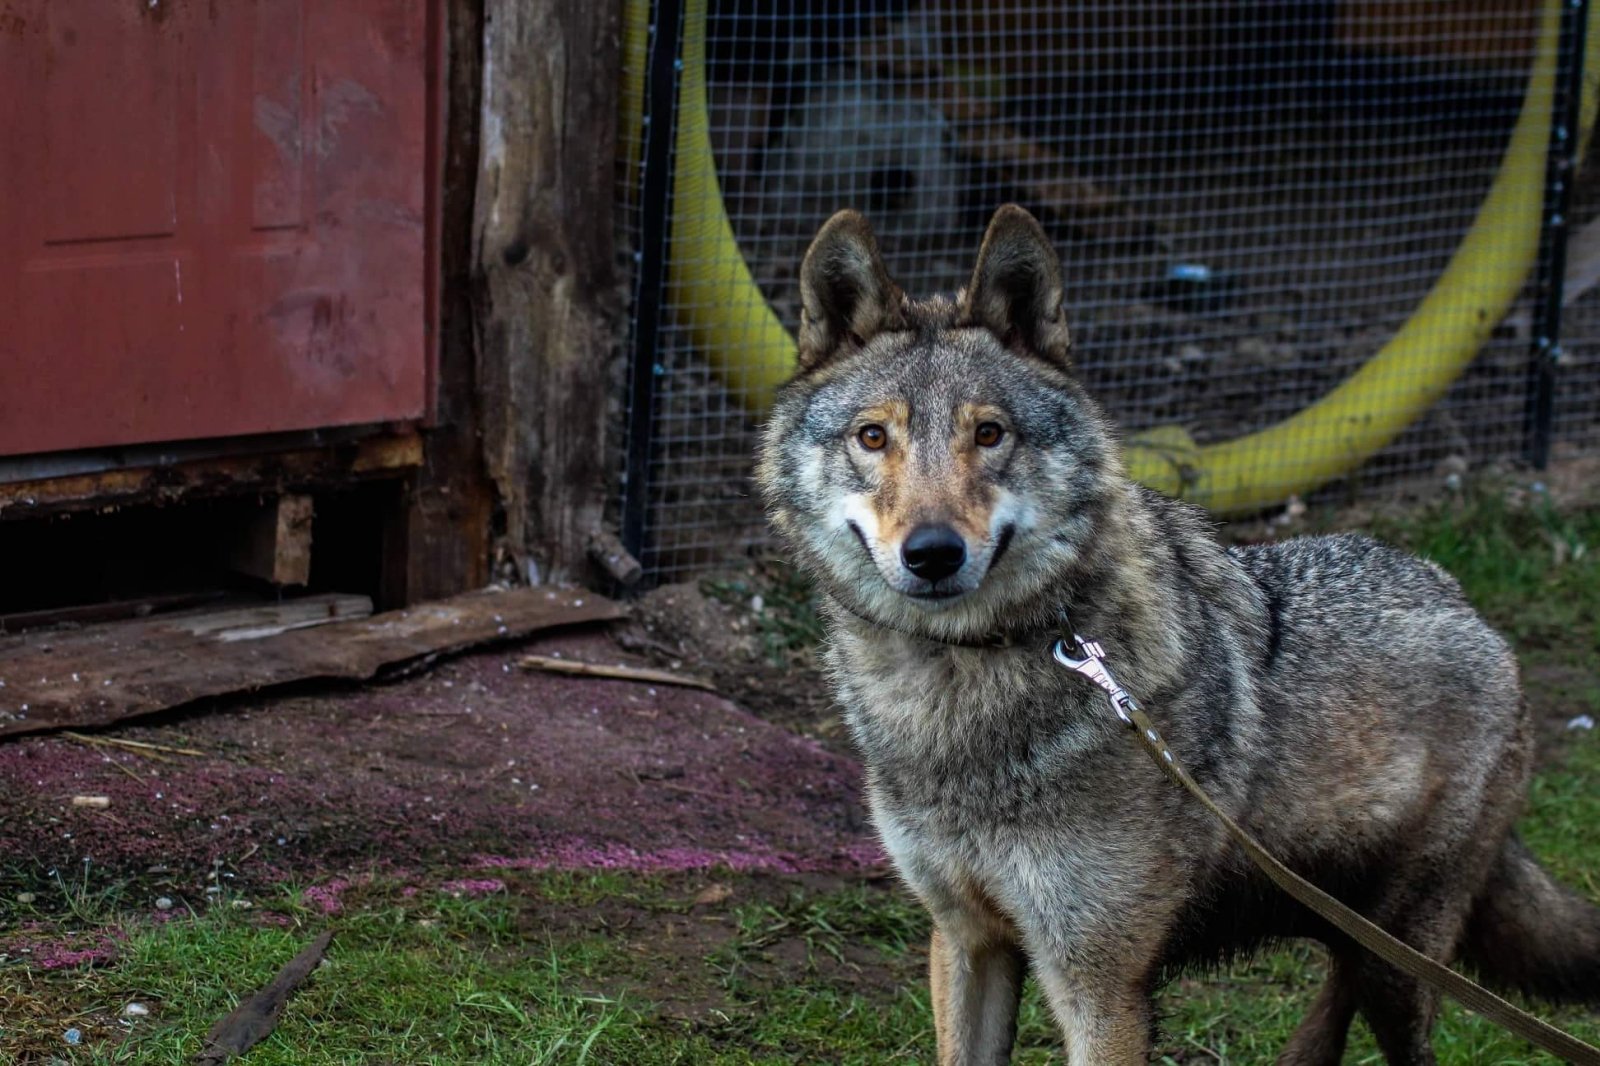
(934, 552)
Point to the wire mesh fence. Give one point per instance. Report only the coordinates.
(1252, 202)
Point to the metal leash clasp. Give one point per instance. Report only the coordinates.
(1090, 661)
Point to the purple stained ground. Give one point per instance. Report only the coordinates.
(474, 767)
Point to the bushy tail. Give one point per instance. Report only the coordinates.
(1530, 934)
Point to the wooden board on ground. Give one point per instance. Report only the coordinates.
(270, 619)
(101, 674)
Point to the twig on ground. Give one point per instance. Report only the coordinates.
(642, 781)
(134, 745)
(617, 672)
(130, 771)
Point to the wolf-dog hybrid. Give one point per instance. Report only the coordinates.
(957, 497)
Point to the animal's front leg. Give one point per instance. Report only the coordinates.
(976, 985)
(1104, 1018)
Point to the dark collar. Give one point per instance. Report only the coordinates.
(987, 642)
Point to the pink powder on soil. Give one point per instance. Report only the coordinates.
(325, 897)
(582, 855)
(476, 765)
(62, 954)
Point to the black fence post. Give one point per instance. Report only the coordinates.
(662, 69)
(1560, 171)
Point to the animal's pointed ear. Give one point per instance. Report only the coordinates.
(846, 296)
(1016, 289)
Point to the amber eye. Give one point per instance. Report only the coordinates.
(872, 437)
(988, 435)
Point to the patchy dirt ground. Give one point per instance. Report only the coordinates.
(477, 765)
(754, 928)
(752, 630)
(762, 893)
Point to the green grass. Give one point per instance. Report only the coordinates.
(821, 974)
(625, 969)
(442, 981)
(431, 979)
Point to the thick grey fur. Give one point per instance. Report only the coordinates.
(1338, 697)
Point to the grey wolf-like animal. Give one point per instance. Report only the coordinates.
(939, 471)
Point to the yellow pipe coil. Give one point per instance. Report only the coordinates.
(732, 324)
(708, 284)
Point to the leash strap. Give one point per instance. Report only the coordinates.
(1375, 939)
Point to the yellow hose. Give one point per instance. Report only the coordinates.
(709, 286)
(731, 323)
(1369, 409)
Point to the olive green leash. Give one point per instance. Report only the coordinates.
(1090, 662)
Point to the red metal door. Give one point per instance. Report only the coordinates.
(213, 217)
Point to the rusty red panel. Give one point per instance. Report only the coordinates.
(213, 217)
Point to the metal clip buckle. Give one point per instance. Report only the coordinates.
(1093, 666)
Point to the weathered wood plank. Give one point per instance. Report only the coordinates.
(273, 542)
(374, 457)
(101, 674)
(436, 543)
(268, 620)
(113, 611)
(548, 303)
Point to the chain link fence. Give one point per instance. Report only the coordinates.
(1251, 200)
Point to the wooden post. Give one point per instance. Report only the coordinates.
(272, 542)
(547, 295)
(436, 537)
